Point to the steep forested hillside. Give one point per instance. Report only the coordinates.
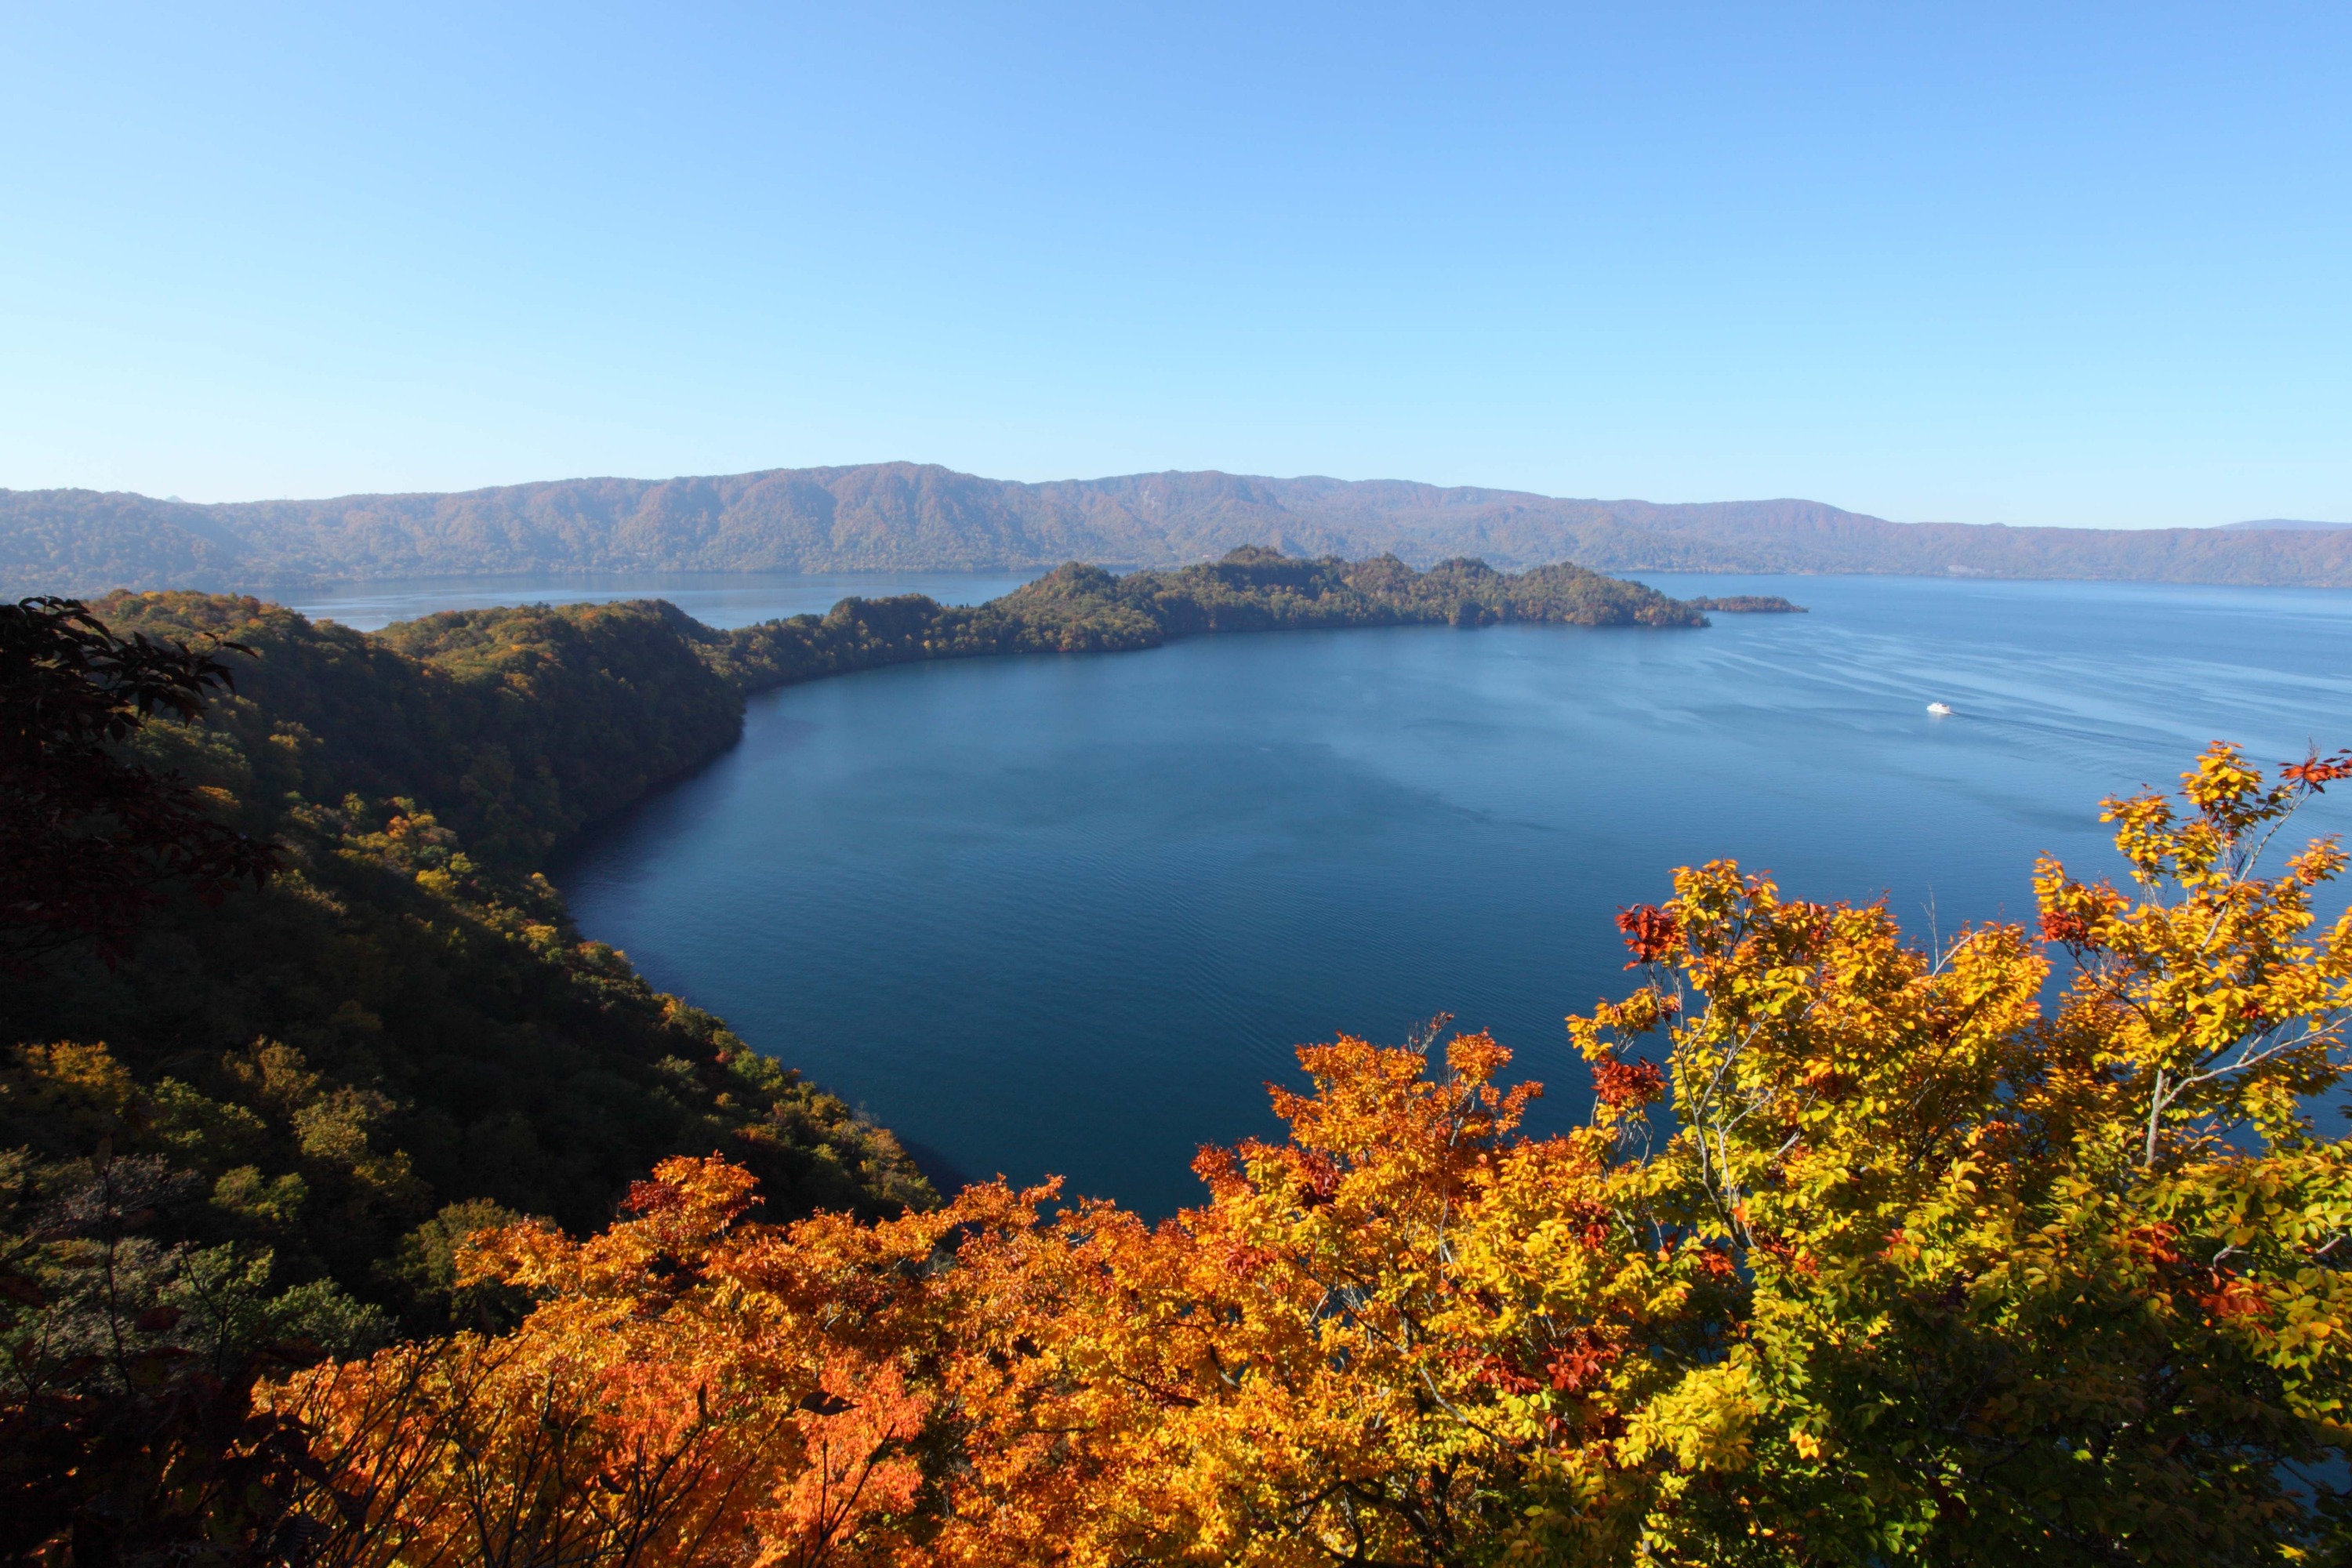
(401, 1032)
(900, 516)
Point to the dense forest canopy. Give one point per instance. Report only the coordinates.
(403, 1019)
(902, 516)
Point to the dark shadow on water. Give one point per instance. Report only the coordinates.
(585, 843)
(942, 1172)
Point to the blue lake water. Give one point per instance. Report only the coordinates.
(714, 598)
(1069, 914)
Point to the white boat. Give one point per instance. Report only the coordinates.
(1940, 710)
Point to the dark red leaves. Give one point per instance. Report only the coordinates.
(1579, 1364)
(1318, 1177)
(2232, 1297)
(652, 1198)
(1651, 932)
(2065, 926)
(1621, 1084)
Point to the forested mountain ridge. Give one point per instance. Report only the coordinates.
(907, 516)
(889, 516)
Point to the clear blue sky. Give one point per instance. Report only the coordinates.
(2028, 263)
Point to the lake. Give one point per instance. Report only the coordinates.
(1070, 914)
(714, 598)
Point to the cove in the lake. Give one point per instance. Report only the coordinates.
(1069, 914)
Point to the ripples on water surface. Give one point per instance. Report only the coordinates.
(1069, 914)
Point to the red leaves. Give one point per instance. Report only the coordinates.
(2157, 1245)
(1318, 1175)
(1584, 1360)
(1243, 1261)
(1796, 1259)
(2067, 927)
(1589, 1220)
(1623, 1084)
(652, 1198)
(1651, 932)
(2223, 1292)
(1494, 1371)
(855, 1474)
(2233, 1296)
(1572, 1367)
(2316, 772)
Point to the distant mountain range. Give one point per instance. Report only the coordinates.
(909, 516)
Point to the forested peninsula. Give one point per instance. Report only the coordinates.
(1085, 609)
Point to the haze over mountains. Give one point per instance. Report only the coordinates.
(909, 516)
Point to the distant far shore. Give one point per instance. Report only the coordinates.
(903, 517)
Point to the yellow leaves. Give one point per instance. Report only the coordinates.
(2145, 834)
(2227, 792)
(1704, 1421)
(2321, 860)
(79, 1091)
(532, 1254)
(2209, 1001)
(1475, 1059)
(1391, 1297)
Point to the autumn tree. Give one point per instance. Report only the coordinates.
(2014, 1285)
